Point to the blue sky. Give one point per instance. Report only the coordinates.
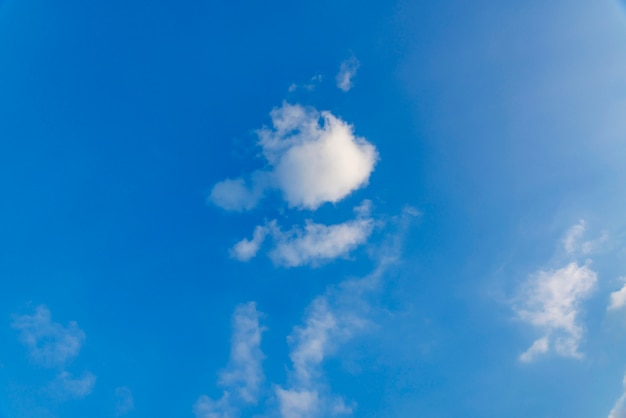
(303, 210)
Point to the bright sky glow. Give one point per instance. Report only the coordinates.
(313, 209)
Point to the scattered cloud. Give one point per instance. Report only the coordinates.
(243, 376)
(246, 249)
(50, 344)
(331, 320)
(236, 195)
(309, 86)
(573, 242)
(244, 373)
(316, 243)
(551, 301)
(297, 404)
(312, 245)
(618, 298)
(619, 410)
(66, 386)
(347, 71)
(310, 163)
(124, 402)
(206, 407)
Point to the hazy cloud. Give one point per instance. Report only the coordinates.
(124, 402)
(66, 386)
(347, 71)
(50, 344)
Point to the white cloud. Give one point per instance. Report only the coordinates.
(571, 241)
(66, 386)
(235, 195)
(347, 71)
(243, 375)
(551, 301)
(50, 344)
(619, 410)
(618, 298)
(246, 249)
(297, 404)
(124, 402)
(206, 407)
(317, 243)
(311, 245)
(310, 163)
(540, 346)
(331, 320)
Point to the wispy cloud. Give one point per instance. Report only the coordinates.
(312, 245)
(206, 407)
(575, 245)
(551, 300)
(243, 376)
(50, 344)
(317, 243)
(53, 345)
(309, 86)
(619, 410)
(311, 163)
(331, 320)
(124, 401)
(66, 386)
(347, 71)
(247, 249)
(244, 373)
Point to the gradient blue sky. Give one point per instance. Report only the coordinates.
(440, 228)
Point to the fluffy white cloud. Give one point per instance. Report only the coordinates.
(124, 402)
(347, 71)
(310, 163)
(243, 375)
(551, 301)
(50, 344)
(618, 298)
(619, 410)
